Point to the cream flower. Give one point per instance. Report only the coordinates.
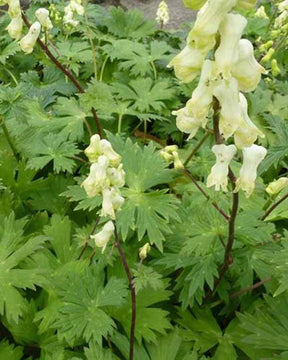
(219, 172)
(162, 16)
(252, 157)
(186, 123)
(15, 27)
(42, 15)
(14, 8)
(187, 63)
(97, 179)
(247, 132)
(231, 29)
(247, 70)
(261, 13)
(144, 250)
(116, 176)
(276, 186)
(103, 237)
(200, 103)
(28, 42)
(76, 6)
(93, 151)
(208, 21)
(227, 94)
(283, 5)
(112, 201)
(68, 18)
(107, 150)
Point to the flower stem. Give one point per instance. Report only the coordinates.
(197, 147)
(154, 69)
(268, 212)
(103, 68)
(90, 39)
(120, 123)
(132, 289)
(66, 72)
(9, 139)
(91, 233)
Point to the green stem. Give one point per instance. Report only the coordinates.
(197, 147)
(120, 123)
(103, 68)
(145, 131)
(90, 40)
(9, 139)
(154, 69)
(12, 76)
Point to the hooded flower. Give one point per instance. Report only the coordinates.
(116, 176)
(93, 151)
(143, 251)
(283, 5)
(200, 103)
(276, 186)
(107, 150)
(76, 6)
(112, 201)
(28, 42)
(97, 179)
(231, 29)
(247, 70)
(42, 15)
(219, 172)
(14, 8)
(247, 132)
(207, 23)
(227, 93)
(261, 13)
(187, 63)
(186, 123)
(162, 16)
(15, 27)
(252, 157)
(102, 238)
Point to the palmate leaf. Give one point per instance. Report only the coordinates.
(128, 24)
(97, 352)
(14, 249)
(78, 194)
(146, 95)
(145, 210)
(84, 299)
(9, 351)
(53, 148)
(9, 50)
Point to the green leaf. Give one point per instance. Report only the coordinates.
(145, 277)
(78, 194)
(9, 50)
(9, 351)
(97, 352)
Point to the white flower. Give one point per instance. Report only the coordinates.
(247, 70)
(76, 6)
(219, 172)
(112, 201)
(144, 250)
(107, 150)
(227, 94)
(42, 15)
(187, 63)
(93, 151)
(231, 29)
(14, 8)
(261, 13)
(276, 186)
(186, 123)
(208, 21)
(247, 132)
(15, 27)
(283, 5)
(28, 42)
(97, 179)
(116, 176)
(281, 19)
(162, 16)
(102, 238)
(68, 18)
(252, 157)
(200, 103)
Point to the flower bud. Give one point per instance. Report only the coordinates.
(76, 6)
(112, 201)
(14, 8)
(231, 29)
(247, 70)
(42, 15)
(247, 132)
(275, 68)
(178, 165)
(187, 63)
(143, 251)
(219, 172)
(252, 157)
(265, 47)
(15, 28)
(268, 56)
(261, 13)
(276, 186)
(281, 19)
(170, 149)
(28, 42)
(97, 179)
(227, 93)
(166, 156)
(162, 16)
(102, 238)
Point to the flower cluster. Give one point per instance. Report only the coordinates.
(74, 8)
(170, 154)
(15, 27)
(162, 16)
(106, 175)
(233, 71)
